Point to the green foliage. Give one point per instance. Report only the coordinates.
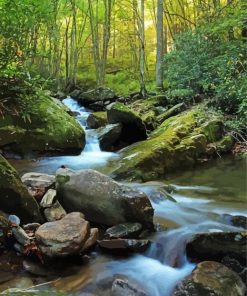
(211, 62)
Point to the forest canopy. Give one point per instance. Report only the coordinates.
(63, 43)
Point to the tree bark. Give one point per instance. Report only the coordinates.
(160, 45)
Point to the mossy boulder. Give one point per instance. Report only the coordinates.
(133, 127)
(14, 196)
(171, 112)
(177, 144)
(38, 123)
(211, 278)
(96, 120)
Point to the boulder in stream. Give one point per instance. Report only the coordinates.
(134, 129)
(40, 125)
(211, 279)
(96, 120)
(109, 135)
(123, 286)
(216, 245)
(124, 230)
(14, 197)
(64, 237)
(101, 199)
(124, 245)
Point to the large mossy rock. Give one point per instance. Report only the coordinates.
(177, 144)
(101, 199)
(14, 196)
(93, 96)
(134, 129)
(96, 120)
(38, 123)
(211, 279)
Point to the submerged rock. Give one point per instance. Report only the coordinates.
(211, 279)
(216, 245)
(96, 120)
(123, 286)
(101, 199)
(14, 197)
(109, 135)
(125, 230)
(238, 221)
(134, 129)
(120, 245)
(64, 237)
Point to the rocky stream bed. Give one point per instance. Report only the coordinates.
(67, 227)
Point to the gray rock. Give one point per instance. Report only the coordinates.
(121, 245)
(125, 230)
(123, 286)
(101, 199)
(216, 245)
(92, 240)
(13, 219)
(38, 180)
(96, 120)
(109, 135)
(211, 279)
(21, 236)
(64, 237)
(48, 199)
(96, 95)
(133, 127)
(54, 212)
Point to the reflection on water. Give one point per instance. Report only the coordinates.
(202, 196)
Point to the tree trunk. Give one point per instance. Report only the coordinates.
(143, 91)
(160, 45)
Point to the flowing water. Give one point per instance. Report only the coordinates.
(202, 196)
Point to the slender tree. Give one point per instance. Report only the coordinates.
(159, 45)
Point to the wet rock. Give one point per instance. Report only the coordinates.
(92, 240)
(125, 230)
(216, 245)
(238, 221)
(13, 219)
(55, 212)
(64, 237)
(96, 95)
(101, 199)
(38, 180)
(179, 142)
(21, 236)
(35, 268)
(123, 286)
(211, 279)
(235, 265)
(109, 135)
(31, 227)
(133, 128)
(48, 199)
(120, 245)
(96, 120)
(14, 197)
(4, 228)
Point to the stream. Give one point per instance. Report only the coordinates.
(202, 197)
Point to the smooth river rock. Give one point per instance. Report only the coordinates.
(64, 237)
(124, 230)
(211, 279)
(101, 199)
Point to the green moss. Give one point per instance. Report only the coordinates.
(176, 144)
(14, 196)
(213, 130)
(225, 145)
(40, 124)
